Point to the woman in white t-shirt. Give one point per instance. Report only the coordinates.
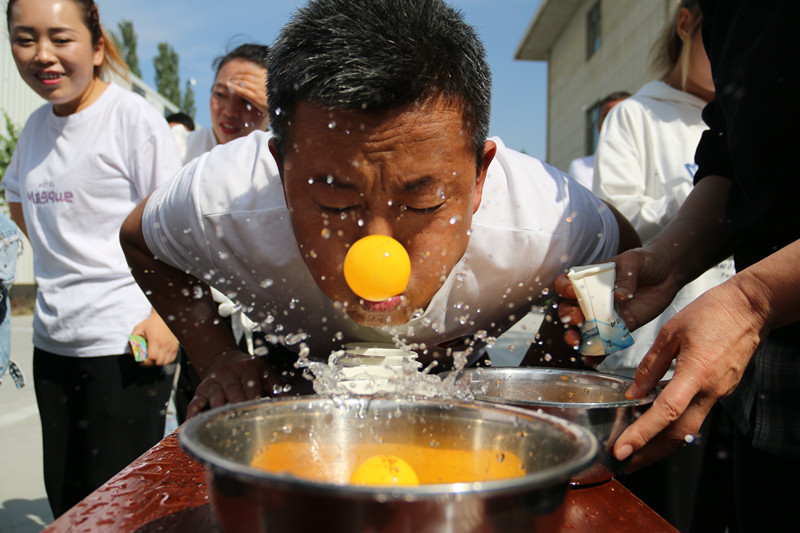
(645, 167)
(84, 160)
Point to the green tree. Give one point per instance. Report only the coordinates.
(8, 142)
(188, 105)
(126, 42)
(167, 79)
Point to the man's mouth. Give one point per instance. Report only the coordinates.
(386, 306)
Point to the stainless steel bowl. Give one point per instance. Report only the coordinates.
(592, 400)
(549, 452)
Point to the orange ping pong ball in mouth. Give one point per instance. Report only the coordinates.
(377, 267)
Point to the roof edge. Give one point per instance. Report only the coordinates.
(547, 24)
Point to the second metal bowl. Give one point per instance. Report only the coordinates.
(592, 400)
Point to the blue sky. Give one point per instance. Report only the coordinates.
(201, 30)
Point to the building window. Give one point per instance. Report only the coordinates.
(592, 131)
(593, 35)
(138, 90)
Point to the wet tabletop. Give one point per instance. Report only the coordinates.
(165, 490)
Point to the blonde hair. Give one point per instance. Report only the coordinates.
(669, 50)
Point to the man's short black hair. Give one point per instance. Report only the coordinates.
(375, 55)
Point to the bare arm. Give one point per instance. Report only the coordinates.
(628, 237)
(188, 308)
(692, 242)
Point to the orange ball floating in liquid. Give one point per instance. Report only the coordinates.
(377, 267)
(384, 470)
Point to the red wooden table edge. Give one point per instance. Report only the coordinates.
(165, 480)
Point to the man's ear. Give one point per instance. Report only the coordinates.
(278, 159)
(489, 151)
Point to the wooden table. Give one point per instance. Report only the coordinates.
(165, 490)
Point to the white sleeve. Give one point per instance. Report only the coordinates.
(185, 219)
(561, 221)
(594, 232)
(172, 222)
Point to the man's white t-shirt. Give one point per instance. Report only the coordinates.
(224, 220)
(77, 178)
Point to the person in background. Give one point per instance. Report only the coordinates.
(10, 248)
(237, 106)
(181, 124)
(181, 120)
(644, 167)
(238, 103)
(83, 161)
(738, 342)
(582, 168)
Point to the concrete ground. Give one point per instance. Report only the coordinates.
(23, 503)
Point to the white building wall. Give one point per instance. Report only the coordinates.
(628, 28)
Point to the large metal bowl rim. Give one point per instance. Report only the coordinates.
(586, 444)
(634, 402)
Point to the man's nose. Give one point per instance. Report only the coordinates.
(379, 224)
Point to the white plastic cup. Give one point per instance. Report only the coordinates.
(372, 368)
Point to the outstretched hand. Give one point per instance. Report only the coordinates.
(712, 341)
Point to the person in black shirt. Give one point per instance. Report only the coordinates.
(740, 341)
